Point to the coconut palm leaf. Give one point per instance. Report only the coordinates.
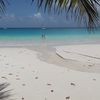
(4, 94)
(81, 9)
(2, 5)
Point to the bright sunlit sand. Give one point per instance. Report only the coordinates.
(45, 73)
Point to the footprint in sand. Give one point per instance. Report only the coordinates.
(4, 56)
(17, 75)
(36, 77)
(23, 84)
(89, 60)
(7, 64)
(73, 84)
(94, 79)
(49, 84)
(67, 98)
(22, 98)
(4, 77)
(10, 74)
(52, 90)
(90, 65)
(17, 78)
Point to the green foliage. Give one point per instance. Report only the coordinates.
(81, 9)
(4, 94)
(2, 5)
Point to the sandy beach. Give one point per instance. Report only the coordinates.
(59, 73)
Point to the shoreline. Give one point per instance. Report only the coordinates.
(49, 54)
(25, 43)
(52, 56)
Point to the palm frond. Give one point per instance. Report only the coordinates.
(4, 94)
(82, 9)
(2, 5)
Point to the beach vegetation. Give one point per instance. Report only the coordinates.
(81, 10)
(4, 93)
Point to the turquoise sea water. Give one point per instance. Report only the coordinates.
(51, 35)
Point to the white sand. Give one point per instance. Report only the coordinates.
(33, 79)
(83, 53)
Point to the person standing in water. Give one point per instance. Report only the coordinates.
(43, 36)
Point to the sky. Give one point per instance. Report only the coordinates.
(21, 13)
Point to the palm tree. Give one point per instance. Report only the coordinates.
(4, 94)
(83, 10)
(2, 5)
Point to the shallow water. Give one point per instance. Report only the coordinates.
(51, 36)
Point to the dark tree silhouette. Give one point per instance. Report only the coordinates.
(81, 9)
(2, 5)
(4, 94)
